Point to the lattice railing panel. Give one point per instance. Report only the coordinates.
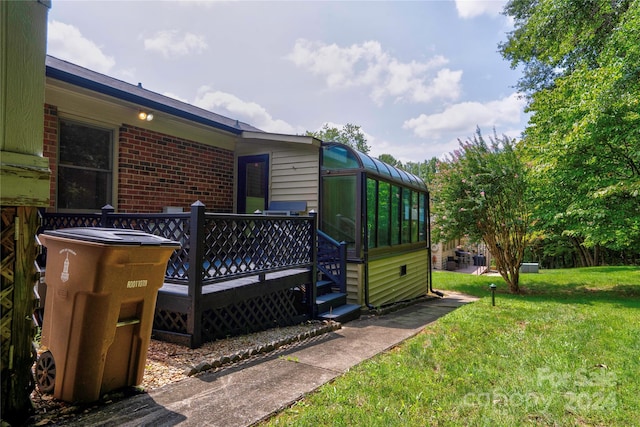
(8, 256)
(280, 308)
(250, 245)
(170, 321)
(332, 259)
(328, 256)
(176, 228)
(55, 221)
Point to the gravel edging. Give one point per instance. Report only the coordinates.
(260, 349)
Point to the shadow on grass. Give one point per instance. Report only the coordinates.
(611, 297)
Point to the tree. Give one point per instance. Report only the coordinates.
(425, 170)
(349, 134)
(553, 38)
(390, 160)
(582, 142)
(480, 192)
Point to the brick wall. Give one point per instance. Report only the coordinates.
(50, 147)
(156, 170)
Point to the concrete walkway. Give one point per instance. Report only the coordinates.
(250, 391)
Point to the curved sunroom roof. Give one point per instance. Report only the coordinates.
(337, 156)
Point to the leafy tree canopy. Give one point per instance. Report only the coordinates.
(582, 72)
(552, 38)
(425, 170)
(390, 160)
(349, 134)
(481, 192)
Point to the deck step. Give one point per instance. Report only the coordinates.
(324, 286)
(327, 302)
(342, 314)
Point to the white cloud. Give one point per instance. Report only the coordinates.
(463, 118)
(411, 152)
(471, 8)
(171, 43)
(230, 105)
(368, 65)
(66, 42)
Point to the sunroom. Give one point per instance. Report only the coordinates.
(381, 212)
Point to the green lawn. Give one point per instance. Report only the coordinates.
(566, 353)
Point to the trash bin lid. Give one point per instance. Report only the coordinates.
(112, 236)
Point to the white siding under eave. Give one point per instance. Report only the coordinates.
(354, 281)
(294, 171)
(295, 175)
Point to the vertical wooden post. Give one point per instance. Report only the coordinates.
(23, 298)
(24, 186)
(196, 255)
(104, 218)
(313, 293)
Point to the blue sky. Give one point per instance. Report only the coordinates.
(416, 76)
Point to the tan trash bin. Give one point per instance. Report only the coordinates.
(102, 289)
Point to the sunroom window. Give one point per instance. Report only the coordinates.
(371, 204)
(395, 214)
(85, 167)
(339, 213)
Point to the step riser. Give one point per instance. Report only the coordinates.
(342, 314)
(324, 287)
(344, 318)
(331, 304)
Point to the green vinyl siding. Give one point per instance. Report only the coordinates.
(387, 284)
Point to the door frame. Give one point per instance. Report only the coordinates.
(243, 162)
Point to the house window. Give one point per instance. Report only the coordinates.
(85, 167)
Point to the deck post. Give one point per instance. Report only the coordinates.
(311, 296)
(104, 218)
(196, 255)
(24, 187)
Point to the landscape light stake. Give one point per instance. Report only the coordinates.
(493, 294)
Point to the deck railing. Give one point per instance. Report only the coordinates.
(332, 259)
(215, 247)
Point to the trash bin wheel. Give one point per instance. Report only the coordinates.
(46, 372)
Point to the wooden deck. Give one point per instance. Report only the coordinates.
(234, 284)
(233, 307)
(233, 274)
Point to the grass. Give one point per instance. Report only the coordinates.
(566, 352)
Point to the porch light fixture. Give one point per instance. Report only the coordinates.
(143, 115)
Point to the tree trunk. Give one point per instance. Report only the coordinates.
(508, 268)
(587, 259)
